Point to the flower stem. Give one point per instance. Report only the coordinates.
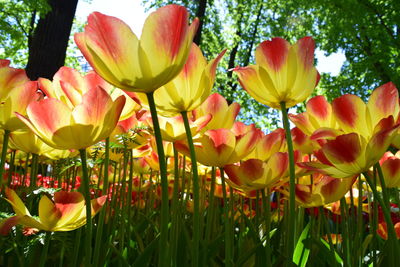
(196, 193)
(86, 193)
(43, 256)
(4, 154)
(386, 213)
(163, 248)
(227, 234)
(100, 226)
(292, 207)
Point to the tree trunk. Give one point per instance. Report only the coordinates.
(201, 11)
(48, 46)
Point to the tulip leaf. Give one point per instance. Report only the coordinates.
(144, 258)
(301, 252)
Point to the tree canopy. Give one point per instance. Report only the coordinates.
(366, 31)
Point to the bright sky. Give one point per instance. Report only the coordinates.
(132, 13)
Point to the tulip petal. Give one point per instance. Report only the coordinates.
(17, 204)
(351, 113)
(383, 102)
(110, 39)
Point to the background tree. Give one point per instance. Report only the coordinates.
(48, 44)
(366, 31)
(36, 34)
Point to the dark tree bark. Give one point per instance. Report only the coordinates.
(201, 11)
(48, 46)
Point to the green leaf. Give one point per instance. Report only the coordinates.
(301, 252)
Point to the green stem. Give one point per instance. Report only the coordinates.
(102, 215)
(228, 238)
(163, 248)
(4, 154)
(43, 256)
(77, 244)
(386, 213)
(86, 193)
(196, 193)
(267, 214)
(174, 211)
(292, 208)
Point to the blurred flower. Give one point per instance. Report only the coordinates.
(323, 190)
(391, 169)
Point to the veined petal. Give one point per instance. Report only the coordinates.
(48, 213)
(10, 78)
(111, 48)
(242, 176)
(305, 50)
(17, 204)
(95, 103)
(46, 117)
(268, 145)
(223, 116)
(351, 113)
(345, 148)
(383, 102)
(320, 110)
(166, 40)
(258, 83)
(303, 122)
(69, 205)
(273, 54)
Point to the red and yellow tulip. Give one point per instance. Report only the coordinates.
(87, 123)
(66, 213)
(283, 72)
(223, 146)
(10, 78)
(144, 65)
(190, 88)
(69, 86)
(324, 190)
(223, 115)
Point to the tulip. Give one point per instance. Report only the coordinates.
(324, 190)
(87, 123)
(268, 145)
(190, 88)
(318, 115)
(223, 115)
(17, 100)
(10, 78)
(28, 142)
(283, 72)
(353, 115)
(254, 174)
(390, 165)
(173, 129)
(66, 213)
(69, 86)
(144, 65)
(222, 146)
(350, 154)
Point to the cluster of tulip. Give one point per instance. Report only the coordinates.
(168, 159)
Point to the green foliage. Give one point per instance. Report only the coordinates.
(366, 31)
(19, 18)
